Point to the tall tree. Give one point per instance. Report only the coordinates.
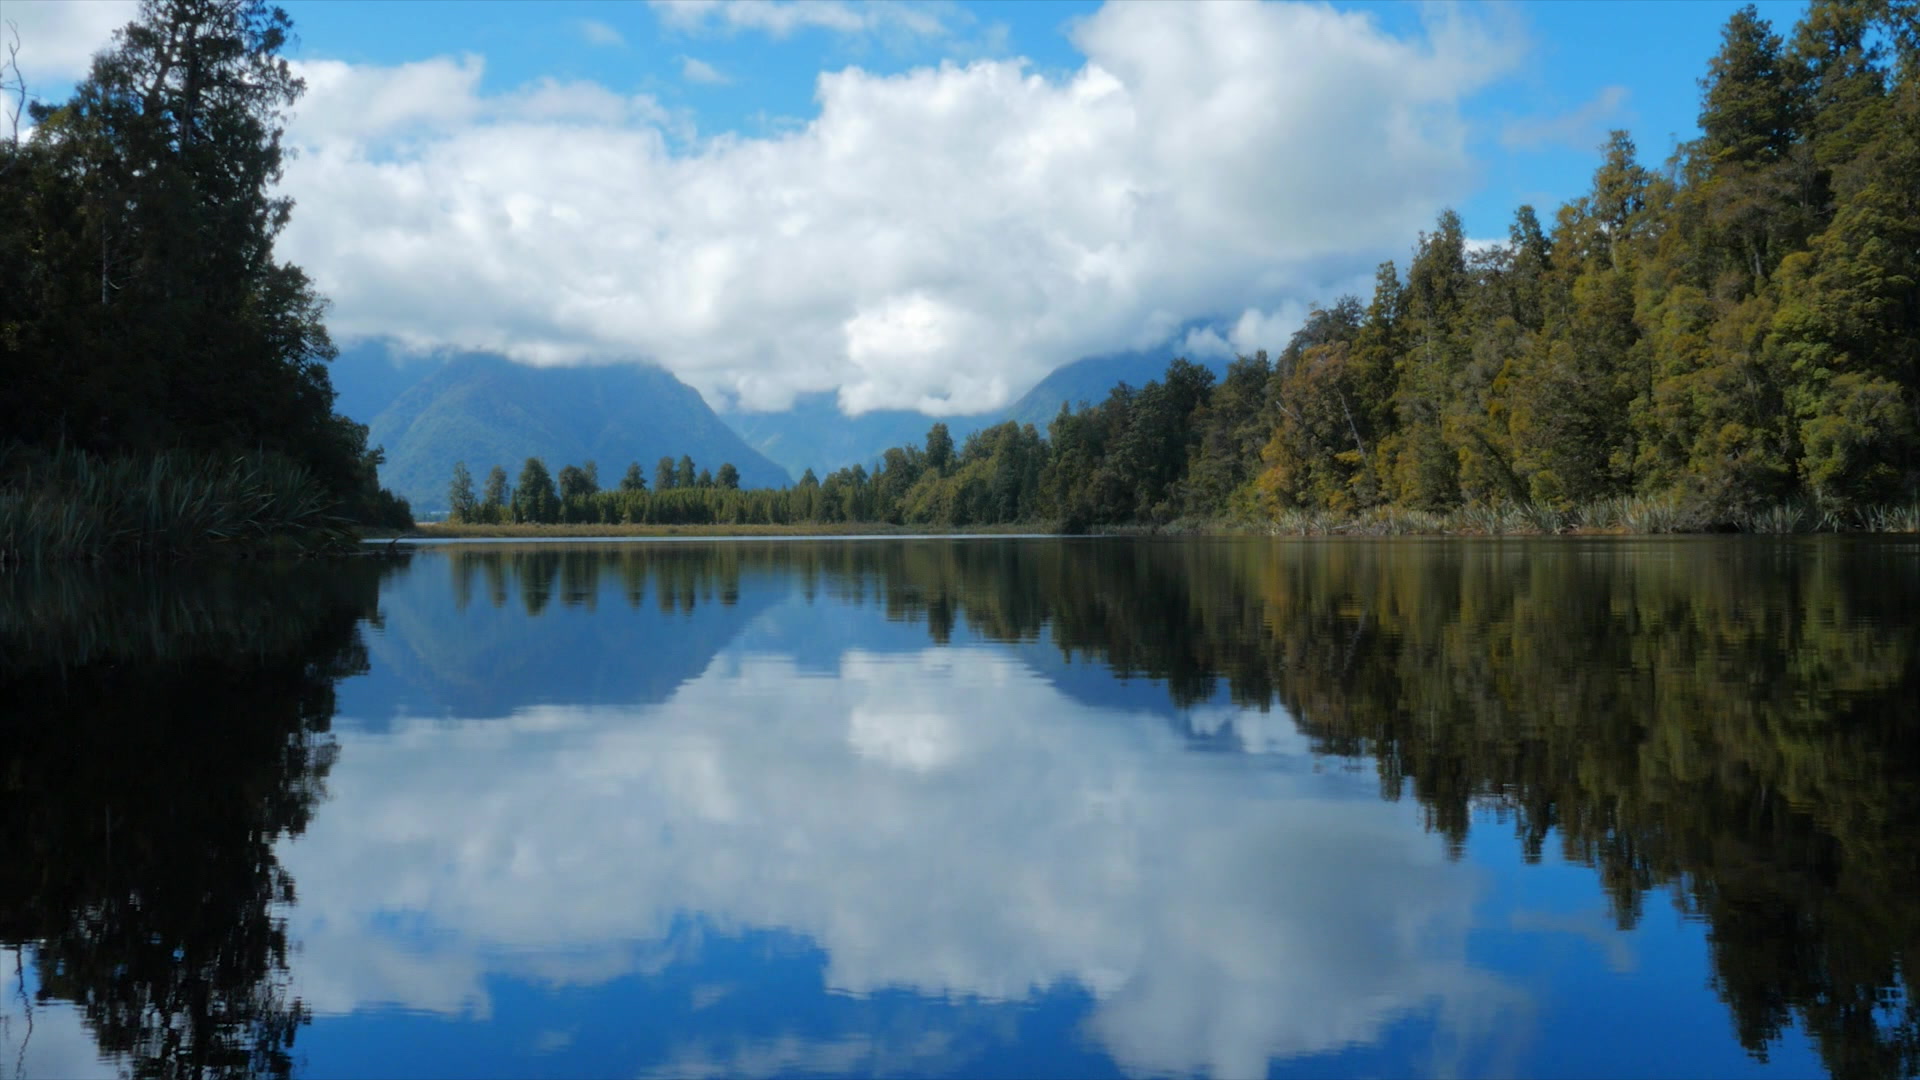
(663, 474)
(496, 497)
(168, 152)
(634, 480)
(460, 500)
(1747, 105)
(534, 497)
(683, 474)
(939, 448)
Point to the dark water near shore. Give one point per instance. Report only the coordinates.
(980, 807)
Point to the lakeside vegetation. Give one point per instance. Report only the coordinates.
(166, 379)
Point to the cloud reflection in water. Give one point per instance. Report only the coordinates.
(943, 822)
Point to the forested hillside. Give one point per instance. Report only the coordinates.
(478, 407)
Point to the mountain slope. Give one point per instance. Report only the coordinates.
(1089, 379)
(371, 374)
(487, 410)
(814, 435)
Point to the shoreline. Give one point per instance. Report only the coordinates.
(1295, 530)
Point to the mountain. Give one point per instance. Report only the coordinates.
(487, 410)
(814, 435)
(1089, 380)
(371, 374)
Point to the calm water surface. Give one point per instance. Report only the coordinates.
(1228, 808)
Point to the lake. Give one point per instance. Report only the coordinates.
(982, 807)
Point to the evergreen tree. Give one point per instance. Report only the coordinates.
(460, 500)
(534, 499)
(634, 480)
(497, 496)
(663, 475)
(939, 449)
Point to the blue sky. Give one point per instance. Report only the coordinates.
(1589, 67)
(920, 205)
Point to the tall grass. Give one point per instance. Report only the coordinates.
(66, 505)
(1635, 514)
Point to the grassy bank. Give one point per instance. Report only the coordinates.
(1617, 517)
(67, 506)
(446, 531)
(1621, 516)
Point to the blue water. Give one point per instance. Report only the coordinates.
(781, 815)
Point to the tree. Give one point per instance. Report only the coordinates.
(939, 449)
(460, 501)
(495, 499)
(169, 151)
(728, 476)
(534, 497)
(577, 482)
(633, 480)
(663, 475)
(1747, 105)
(705, 479)
(683, 475)
(154, 315)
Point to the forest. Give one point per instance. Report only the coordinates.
(1727, 340)
(166, 376)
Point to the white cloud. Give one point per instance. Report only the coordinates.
(780, 18)
(943, 821)
(938, 239)
(1583, 128)
(598, 33)
(59, 37)
(695, 70)
(45, 1038)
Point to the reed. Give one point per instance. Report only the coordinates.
(67, 505)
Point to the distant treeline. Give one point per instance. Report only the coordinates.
(1732, 340)
(146, 316)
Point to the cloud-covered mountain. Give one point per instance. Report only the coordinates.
(814, 435)
(487, 410)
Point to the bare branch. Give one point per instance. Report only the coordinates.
(13, 84)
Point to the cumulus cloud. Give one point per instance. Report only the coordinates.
(938, 239)
(944, 822)
(695, 70)
(45, 1037)
(780, 18)
(58, 37)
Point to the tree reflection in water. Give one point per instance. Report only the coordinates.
(1728, 722)
(157, 735)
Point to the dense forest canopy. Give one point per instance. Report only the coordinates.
(145, 308)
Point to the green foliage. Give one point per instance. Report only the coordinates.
(69, 505)
(147, 312)
(634, 480)
(534, 498)
(461, 503)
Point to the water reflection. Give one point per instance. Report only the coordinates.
(937, 808)
(156, 737)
